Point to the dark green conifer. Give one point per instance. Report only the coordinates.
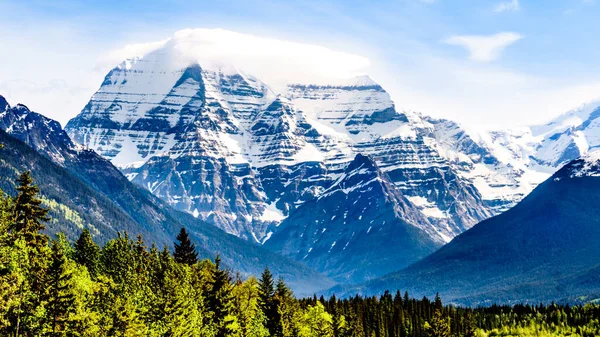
(269, 303)
(185, 250)
(438, 302)
(219, 300)
(59, 295)
(28, 213)
(87, 253)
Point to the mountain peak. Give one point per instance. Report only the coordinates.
(586, 166)
(3, 104)
(359, 81)
(21, 109)
(361, 161)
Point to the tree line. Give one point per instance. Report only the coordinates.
(52, 287)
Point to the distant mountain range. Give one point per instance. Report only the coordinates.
(332, 175)
(221, 145)
(546, 248)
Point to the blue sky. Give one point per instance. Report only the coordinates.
(491, 63)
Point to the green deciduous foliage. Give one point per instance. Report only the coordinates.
(317, 322)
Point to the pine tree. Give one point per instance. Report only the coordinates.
(182, 314)
(219, 301)
(289, 310)
(59, 295)
(339, 324)
(269, 303)
(438, 302)
(250, 317)
(24, 226)
(185, 250)
(266, 287)
(87, 253)
(470, 325)
(28, 213)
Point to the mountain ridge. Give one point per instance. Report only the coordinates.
(221, 145)
(543, 249)
(64, 182)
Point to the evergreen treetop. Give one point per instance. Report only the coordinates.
(28, 213)
(185, 250)
(87, 253)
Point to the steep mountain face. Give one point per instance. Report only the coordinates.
(496, 163)
(40, 133)
(543, 149)
(83, 190)
(69, 199)
(219, 144)
(179, 131)
(47, 137)
(567, 137)
(362, 117)
(379, 232)
(544, 249)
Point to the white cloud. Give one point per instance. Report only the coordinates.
(114, 57)
(484, 48)
(418, 77)
(274, 61)
(510, 6)
(53, 98)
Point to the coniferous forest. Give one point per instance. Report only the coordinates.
(53, 287)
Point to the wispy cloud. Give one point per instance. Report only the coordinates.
(509, 6)
(484, 48)
(272, 60)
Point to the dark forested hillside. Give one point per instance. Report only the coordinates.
(75, 205)
(547, 248)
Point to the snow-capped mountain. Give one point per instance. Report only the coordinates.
(39, 132)
(218, 143)
(567, 137)
(497, 163)
(587, 165)
(529, 155)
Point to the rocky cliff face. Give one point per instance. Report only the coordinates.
(358, 228)
(219, 144)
